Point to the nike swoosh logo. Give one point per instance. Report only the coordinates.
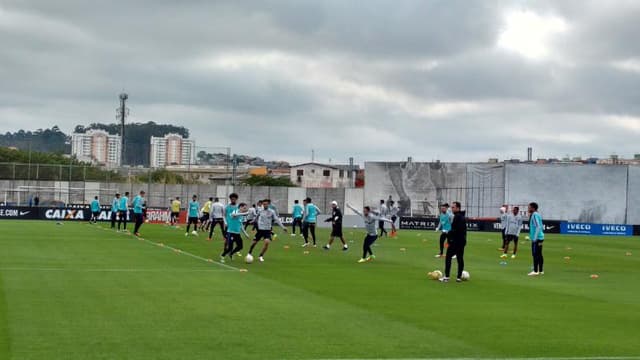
(23, 213)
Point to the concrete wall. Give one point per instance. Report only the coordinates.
(581, 193)
(419, 188)
(633, 196)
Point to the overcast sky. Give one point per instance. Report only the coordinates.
(376, 80)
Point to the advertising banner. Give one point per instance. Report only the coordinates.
(18, 213)
(488, 225)
(596, 229)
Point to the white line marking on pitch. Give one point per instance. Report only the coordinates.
(490, 358)
(228, 267)
(110, 270)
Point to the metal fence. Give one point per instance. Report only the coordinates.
(61, 172)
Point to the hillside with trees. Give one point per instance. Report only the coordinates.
(43, 140)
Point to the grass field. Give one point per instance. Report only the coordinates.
(81, 291)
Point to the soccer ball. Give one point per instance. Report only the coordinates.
(194, 233)
(465, 276)
(248, 259)
(435, 275)
(503, 210)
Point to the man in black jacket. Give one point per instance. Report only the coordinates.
(336, 226)
(457, 242)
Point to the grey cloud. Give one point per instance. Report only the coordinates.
(66, 63)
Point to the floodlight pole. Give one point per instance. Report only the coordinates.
(122, 113)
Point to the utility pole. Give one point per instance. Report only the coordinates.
(121, 114)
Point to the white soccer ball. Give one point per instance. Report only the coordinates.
(465, 276)
(194, 233)
(503, 210)
(248, 259)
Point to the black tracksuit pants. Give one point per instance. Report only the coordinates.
(456, 249)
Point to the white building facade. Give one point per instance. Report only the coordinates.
(96, 147)
(314, 175)
(171, 149)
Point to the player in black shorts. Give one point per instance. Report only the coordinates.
(266, 218)
(336, 226)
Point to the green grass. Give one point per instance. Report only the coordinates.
(84, 292)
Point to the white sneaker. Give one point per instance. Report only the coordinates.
(186, 234)
(513, 256)
(542, 273)
(293, 234)
(439, 256)
(345, 248)
(305, 244)
(533, 273)
(454, 256)
(261, 259)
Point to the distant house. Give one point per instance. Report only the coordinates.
(314, 175)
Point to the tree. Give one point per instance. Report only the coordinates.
(264, 180)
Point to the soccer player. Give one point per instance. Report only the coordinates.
(457, 242)
(298, 211)
(266, 218)
(370, 220)
(193, 212)
(309, 220)
(504, 214)
(336, 226)
(233, 199)
(138, 212)
(250, 219)
(175, 211)
(233, 219)
(217, 214)
(115, 205)
(536, 234)
(383, 211)
(205, 219)
(514, 225)
(393, 212)
(123, 210)
(95, 210)
(444, 226)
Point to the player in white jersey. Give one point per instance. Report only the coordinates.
(217, 217)
(370, 220)
(266, 218)
(512, 232)
(383, 211)
(393, 211)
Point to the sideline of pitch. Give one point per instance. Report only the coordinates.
(27, 269)
(496, 358)
(209, 261)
